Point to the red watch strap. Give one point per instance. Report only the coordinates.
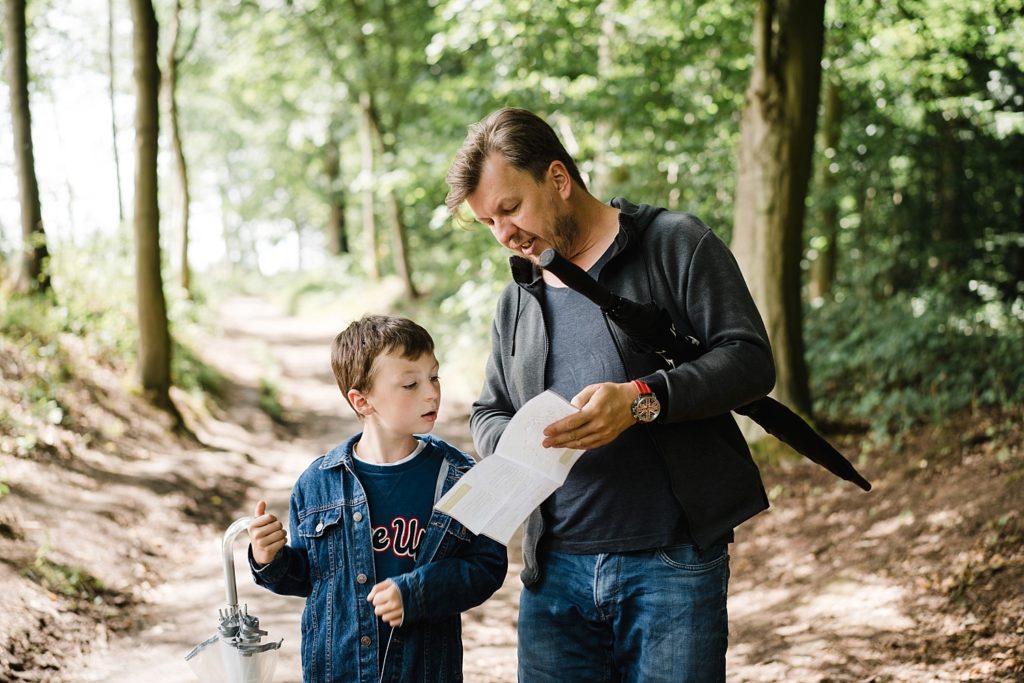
(642, 387)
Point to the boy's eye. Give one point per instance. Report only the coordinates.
(435, 378)
(409, 386)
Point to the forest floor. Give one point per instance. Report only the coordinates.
(110, 526)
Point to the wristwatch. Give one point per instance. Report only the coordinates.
(646, 407)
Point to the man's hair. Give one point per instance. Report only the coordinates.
(524, 140)
(355, 348)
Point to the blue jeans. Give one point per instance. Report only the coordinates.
(639, 617)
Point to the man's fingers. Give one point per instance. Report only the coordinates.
(581, 399)
(566, 424)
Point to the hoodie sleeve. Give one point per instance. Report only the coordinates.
(493, 410)
(707, 290)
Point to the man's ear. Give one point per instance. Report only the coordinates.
(359, 402)
(559, 175)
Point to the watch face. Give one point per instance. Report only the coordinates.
(646, 408)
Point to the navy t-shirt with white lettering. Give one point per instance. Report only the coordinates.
(400, 497)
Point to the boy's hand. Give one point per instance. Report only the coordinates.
(387, 603)
(266, 534)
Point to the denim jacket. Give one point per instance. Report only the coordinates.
(329, 561)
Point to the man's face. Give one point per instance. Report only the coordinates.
(524, 215)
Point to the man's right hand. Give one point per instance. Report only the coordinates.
(266, 534)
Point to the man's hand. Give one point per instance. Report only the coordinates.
(266, 534)
(605, 412)
(387, 603)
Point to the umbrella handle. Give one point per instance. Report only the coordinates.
(237, 527)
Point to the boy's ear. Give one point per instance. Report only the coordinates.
(359, 402)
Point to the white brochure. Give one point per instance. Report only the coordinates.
(500, 492)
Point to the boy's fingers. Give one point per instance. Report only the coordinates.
(261, 507)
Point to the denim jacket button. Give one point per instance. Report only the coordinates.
(365, 640)
(319, 527)
(361, 578)
(358, 516)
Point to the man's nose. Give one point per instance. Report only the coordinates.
(504, 230)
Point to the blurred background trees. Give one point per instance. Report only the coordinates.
(304, 144)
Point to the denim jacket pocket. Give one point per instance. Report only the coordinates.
(318, 532)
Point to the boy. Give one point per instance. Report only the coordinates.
(385, 576)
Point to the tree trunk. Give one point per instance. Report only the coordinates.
(600, 180)
(180, 165)
(399, 248)
(154, 337)
(774, 165)
(113, 109)
(823, 267)
(400, 245)
(337, 240)
(35, 268)
(366, 138)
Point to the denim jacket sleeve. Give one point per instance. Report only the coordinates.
(288, 573)
(453, 585)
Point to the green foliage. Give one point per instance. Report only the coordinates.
(892, 363)
(270, 402)
(71, 582)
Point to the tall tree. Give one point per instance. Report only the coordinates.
(823, 267)
(112, 91)
(773, 169)
(34, 275)
(337, 237)
(176, 53)
(154, 336)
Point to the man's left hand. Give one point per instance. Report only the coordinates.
(605, 412)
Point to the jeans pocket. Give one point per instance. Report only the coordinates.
(688, 557)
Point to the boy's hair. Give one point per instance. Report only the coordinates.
(524, 140)
(355, 348)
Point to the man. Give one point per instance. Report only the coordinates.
(626, 566)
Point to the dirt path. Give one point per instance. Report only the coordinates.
(831, 585)
(256, 344)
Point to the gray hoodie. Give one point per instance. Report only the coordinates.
(676, 261)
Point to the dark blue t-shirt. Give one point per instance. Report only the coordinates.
(617, 498)
(400, 497)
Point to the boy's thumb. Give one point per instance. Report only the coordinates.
(261, 507)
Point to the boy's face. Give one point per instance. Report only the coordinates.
(405, 395)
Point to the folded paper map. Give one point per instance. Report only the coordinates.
(501, 491)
